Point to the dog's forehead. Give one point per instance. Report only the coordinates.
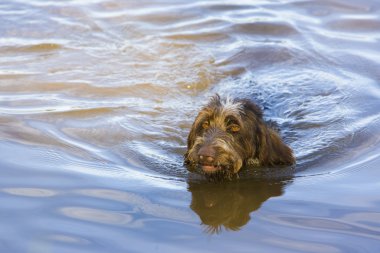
(231, 107)
(224, 108)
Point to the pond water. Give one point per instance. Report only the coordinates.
(97, 99)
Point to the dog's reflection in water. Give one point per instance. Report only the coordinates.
(229, 204)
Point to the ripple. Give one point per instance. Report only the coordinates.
(265, 28)
(14, 45)
(42, 47)
(199, 37)
(69, 239)
(143, 204)
(11, 74)
(30, 192)
(365, 25)
(96, 215)
(302, 245)
(329, 225)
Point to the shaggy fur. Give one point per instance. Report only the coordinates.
(229, 134)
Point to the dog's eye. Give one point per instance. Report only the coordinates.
(234, 128)
(205, 125)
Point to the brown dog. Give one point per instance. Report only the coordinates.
(229, 134)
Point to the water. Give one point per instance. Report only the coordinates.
(97, 98)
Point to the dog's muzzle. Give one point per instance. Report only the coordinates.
(206, 159)
(215, 152)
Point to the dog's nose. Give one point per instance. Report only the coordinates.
(206, 159)
(206, 154)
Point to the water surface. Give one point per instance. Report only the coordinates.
(97, 99)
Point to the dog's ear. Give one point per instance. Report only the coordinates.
(268, 148)
(190, 141)
(272, 150)
(253, 108)
(213, 102)
(192, 135)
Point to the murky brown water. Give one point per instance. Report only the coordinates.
(97, 98)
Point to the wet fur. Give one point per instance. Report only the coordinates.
(256, 144)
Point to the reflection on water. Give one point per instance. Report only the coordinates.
(231, 204)
(97, 99)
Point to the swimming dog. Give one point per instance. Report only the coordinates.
(229, 134)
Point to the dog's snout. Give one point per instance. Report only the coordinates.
(206, 154)
(207, 151)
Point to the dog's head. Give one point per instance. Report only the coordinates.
(228, 134)
(222, 137)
